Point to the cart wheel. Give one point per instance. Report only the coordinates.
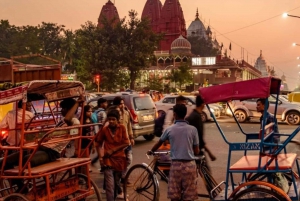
(258, 190)
(143, 184)
(83, 184)
(15, 197)
(259, 193)
(241, 116)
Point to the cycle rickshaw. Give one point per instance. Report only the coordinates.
(252, 176)
(63, 179)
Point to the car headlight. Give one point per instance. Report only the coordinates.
(212, 110)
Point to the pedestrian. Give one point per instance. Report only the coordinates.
(184, 143)
(195, 120)
(114, 139)
(125, 120)
(269, 118)
(99, 116)
(169, 119)
(88, 130)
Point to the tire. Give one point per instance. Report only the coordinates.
(259, 193)
(203, 117)
(15, 197)
(208, 179)
(293, 118)
(143, 184)
(149, 137)
(82, 179)
(241, 116)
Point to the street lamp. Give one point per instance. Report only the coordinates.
(165, 75)
(288, 15)
(295, 44)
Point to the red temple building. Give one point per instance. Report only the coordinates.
(110, 12)
(152, 10)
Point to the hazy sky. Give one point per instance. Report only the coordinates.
(274, 35)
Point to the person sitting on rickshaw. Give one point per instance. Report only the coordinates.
(9, 122)
(50, 152)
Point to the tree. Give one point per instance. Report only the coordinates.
(139, 43)
(202, 47)
(182, 75)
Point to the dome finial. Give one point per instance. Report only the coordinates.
(197, 14)
(260, 52)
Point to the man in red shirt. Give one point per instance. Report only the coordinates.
(113, 160)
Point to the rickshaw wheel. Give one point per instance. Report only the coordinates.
(259, 193)
(82, 179)
(15, 197)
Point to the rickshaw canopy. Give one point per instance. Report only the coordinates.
(256, 88)
(42, 89)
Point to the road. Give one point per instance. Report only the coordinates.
(214, 141)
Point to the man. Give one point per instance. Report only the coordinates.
(169, 119)
(114, 139)
(9, 122)
(195, 120)
(125, 120)
(260, 107)
(184, 146)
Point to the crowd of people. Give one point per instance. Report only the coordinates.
(114, 141)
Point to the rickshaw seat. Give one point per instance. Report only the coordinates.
(52, 166)
(250, 162)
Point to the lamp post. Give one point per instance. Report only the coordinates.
(164, 74)
(288, 15)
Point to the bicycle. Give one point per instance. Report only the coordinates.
(144, 182)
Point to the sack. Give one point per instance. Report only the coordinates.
(159, 125)
(94, 116)
(281, 182)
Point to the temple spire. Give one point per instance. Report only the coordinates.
(197, 14)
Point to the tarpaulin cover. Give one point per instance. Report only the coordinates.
(256, 88)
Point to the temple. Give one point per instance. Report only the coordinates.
(110, 12)
(152, 11)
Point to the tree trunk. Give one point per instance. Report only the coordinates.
(132, 79)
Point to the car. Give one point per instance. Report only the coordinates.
(141, 108)
(245, 110)
(169, 101)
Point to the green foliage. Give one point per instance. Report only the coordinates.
(181, 76)
(202, 47)
(155, 83)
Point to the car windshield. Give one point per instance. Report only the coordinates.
(143, 103)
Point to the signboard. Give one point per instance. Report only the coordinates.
(13, 94)
(68, 77)
(62, 94)
(199, 61)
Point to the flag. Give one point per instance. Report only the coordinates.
(230, 46)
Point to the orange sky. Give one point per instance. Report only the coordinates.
(274, 36)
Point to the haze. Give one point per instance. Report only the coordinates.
(274, 36)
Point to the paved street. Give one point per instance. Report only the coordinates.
(216, 144)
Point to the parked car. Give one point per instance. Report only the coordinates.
(170, 100)
(286, 111)
(141, 109)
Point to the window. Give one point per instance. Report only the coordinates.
(169, 100)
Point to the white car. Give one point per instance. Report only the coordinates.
(169, 101)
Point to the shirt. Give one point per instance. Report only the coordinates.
(117, 160)
(182, 137)
(101, 116)
(9, 122)
(270, 119)
(195, 120)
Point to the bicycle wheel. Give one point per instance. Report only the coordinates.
(83, 185)
(15, 197)
(208, 180)
(143, 184)
(259, 194)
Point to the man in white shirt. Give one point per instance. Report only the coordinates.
(9, 122)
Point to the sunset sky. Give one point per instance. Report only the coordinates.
(252, 24)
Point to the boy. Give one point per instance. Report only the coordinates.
(113, 160)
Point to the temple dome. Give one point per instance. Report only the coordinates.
(110, 12)
(261, 65)
(197, 28)
(181, 46)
